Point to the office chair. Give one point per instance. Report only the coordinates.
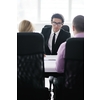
(47, 26)
(30, 67)
(73, 80)
(64, 27)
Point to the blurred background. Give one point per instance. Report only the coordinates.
(39, 12)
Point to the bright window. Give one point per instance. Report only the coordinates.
(38, 11)
(77, 8)
(27, 9)
(49, 7)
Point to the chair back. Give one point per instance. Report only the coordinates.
(47, 26)
(30, 60)
(74, 64)
(64, 27)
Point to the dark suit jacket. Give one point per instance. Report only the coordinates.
(63, 35)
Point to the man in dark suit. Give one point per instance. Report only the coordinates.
(54, 35)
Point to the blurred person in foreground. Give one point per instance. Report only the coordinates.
(26, 26)
(78, 31)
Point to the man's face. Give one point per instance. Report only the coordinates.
(56, 24)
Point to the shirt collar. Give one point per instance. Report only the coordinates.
(79, 34)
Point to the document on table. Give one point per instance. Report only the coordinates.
(50, 63)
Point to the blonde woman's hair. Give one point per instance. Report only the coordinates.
(26, 26)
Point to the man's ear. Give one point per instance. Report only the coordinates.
(73, 28)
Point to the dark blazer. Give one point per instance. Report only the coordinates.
(63, 35)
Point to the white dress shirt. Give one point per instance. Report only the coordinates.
(51, 37)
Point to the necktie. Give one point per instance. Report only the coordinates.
(53, 42)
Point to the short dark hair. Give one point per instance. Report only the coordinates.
(59, 16)
(78, 23)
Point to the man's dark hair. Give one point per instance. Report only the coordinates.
(59, 16)
(78, 23)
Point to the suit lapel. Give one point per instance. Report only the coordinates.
(47, 38)
(48, 35)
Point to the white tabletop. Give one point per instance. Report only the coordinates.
(50, 63)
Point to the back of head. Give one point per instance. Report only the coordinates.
(59, 16)
(78, 23)
(26, 26)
